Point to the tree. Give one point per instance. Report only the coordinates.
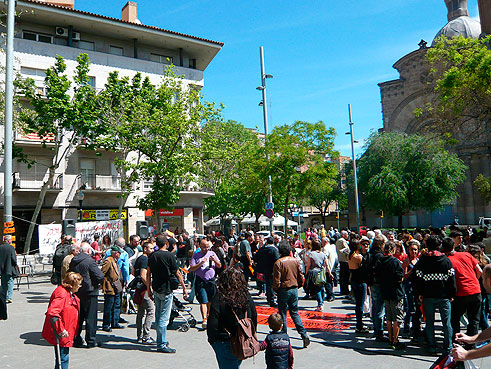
(460, 80)
(225, 148)
(232, 163)
(483, 185)
(160, 126)
(400, 172)
(63, 120)
(324, 191)
(294, 155)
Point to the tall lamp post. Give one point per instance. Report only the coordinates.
(80, 197)
(9, 98)
(357, 203)
(264, 104)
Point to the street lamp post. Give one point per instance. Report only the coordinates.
(9, 98)
(80, 197)
(357, 203)
(262, 88)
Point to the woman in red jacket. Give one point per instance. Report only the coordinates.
(62, 316)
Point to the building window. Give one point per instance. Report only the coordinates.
(86, 45)
(92, 82)
(147, 185)
(87, 172)
(116, 50)
(34, 36)
(161, 58)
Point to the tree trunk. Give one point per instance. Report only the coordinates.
(156, 212)
(256, 223)
(39, 204)
(285, 209)
(399, 222)
(122, 201)
(323, 217)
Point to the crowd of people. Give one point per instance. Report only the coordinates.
(398, 280)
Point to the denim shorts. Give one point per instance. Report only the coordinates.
(205, 290)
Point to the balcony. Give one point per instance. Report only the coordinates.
(34, 184)
(99, 183)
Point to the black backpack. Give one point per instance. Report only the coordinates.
(60, 253)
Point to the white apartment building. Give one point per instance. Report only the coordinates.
(45, 29)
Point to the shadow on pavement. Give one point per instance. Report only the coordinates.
(113, 342)
(33, 338)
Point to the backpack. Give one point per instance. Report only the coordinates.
(60, 253)
(244, 343)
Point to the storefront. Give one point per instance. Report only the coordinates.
(178, 219)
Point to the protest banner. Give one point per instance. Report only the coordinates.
(49, 237)
(87, 230)
(50, 234)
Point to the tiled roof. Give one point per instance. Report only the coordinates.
(121, 21)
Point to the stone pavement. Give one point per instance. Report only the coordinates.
(21, 345)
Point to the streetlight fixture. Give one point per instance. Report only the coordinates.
(262, 88)
(80, 197)
(357, 202)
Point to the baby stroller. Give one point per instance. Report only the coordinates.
(184, 313)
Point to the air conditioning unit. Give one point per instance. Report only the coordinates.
(61, 32)
(76, 36)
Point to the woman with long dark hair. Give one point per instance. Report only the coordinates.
(232, 297)
(358, 283)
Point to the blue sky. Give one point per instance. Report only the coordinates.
(323, 54)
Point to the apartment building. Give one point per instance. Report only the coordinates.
(45, 29)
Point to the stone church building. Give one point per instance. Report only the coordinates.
(410, 91)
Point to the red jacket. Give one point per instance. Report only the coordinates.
(66, 307)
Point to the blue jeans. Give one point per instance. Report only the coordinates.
(225, 358)
(378, 310)
(430, 304)
(320, 296)
(288, 300)
(163, 307)
(64, 351)
(8, 285)
(111, 304)
(360, 291)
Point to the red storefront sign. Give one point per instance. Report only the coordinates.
(166, 213)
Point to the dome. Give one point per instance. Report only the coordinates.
(461, 26)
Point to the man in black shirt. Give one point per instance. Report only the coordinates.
(162, 271)
(147, 307)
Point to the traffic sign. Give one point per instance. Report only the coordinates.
(269, 205)
(8, 224)
(9, 230)
(269, 213)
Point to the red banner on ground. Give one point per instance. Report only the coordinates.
(312, 320)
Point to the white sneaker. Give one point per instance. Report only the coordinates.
(203, 325)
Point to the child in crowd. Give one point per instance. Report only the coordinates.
(279, 353)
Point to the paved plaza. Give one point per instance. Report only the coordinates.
(21, 345)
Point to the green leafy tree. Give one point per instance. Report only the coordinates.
(483, 185)
(326, 190)
(232, 162)
(400, 172)
(460, 80)
(295, 155)
(63, 120)
(157, 132)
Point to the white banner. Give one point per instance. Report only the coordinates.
(87, 230)
(50, 234)
(49, 238)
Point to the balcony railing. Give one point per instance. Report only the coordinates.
(99, 182)
(35, 184)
